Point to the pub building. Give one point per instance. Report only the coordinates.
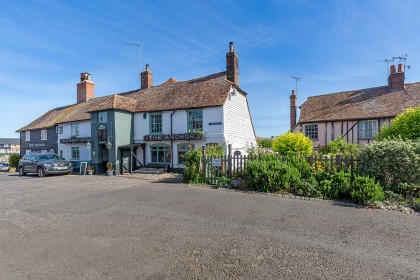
(153, 125)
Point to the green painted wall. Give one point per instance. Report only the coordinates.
(123, 135)
(120, 131)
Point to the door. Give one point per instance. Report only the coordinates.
(126, 160)
(31, 164)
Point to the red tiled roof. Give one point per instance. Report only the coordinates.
(206, 91)
(360, 104)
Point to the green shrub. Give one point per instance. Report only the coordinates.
(391, 162)
(14, 160)
(340, 146)
(265, 142)
(292, 144)
(192, 172)
(405, 125)
(365, 190)
(271, 174)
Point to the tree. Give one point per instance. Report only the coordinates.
(292, 144)
(14, 160)
(405, 125)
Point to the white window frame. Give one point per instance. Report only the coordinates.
(102, 117)
(368, 129)
(75, 129)
(28, 152)
(60, 130)
(43, 134)
(195, 119)
(28, 135)
(155, 127)
(311, 131)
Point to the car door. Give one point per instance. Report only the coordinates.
(32, 163)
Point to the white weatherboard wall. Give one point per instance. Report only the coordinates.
(84, 131)
(239, 130)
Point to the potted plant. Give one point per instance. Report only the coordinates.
(109, 169)
(90, 168)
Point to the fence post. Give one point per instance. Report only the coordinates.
(338, 162)
(204, 162)
(230, 161)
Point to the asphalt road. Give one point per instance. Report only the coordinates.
(98, 227)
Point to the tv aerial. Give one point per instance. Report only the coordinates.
(138, 49)
(297, 80)
(401, 59)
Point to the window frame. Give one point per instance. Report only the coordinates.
(152, 130)
(166, 148)
(60, 130)
(368, 132)
(73, 150)
(44, 135)
(190, 147)
(191, 123)
(28, 136)
(102, 117)
(311, 133)
(75, 129)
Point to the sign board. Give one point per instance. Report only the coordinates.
(216, 162)
(76, 140)
(168, 137)
(215, 123)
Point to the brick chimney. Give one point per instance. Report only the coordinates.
(396, 78)
(146, 78)
(293, 99)
(232, 69)
(85, 89)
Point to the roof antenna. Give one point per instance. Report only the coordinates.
(139, 50)
(297, 80)
(401, 59)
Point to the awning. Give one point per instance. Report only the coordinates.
(131, 146)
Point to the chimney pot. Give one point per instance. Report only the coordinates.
(400, 67)
(392, 69)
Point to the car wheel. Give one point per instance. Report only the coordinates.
(40, 172)
(21, 172)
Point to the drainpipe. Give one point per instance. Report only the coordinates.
(172, 144)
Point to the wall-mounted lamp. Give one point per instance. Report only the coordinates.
(108, 145)
(88, 145)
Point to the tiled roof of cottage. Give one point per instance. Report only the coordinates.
(202, 92)
(113, 102)
(206, 91)
(360, 104)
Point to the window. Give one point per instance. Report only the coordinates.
(332, 131)
(75, 129)
(6, 145)
(60, 130)
(44, 134)
(102, 133)
(44, 151)
(102, 117)
(311, 131)
(155, 123)
(182, 150)
(195, 120)
(27, 136)
(75, 154)
(160, 153)
(28, 151)
(368, 129)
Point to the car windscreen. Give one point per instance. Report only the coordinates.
(50, 156)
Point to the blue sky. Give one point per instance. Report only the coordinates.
(332, 45)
